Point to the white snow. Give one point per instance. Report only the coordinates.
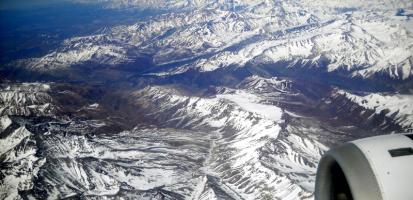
(25, 99)
(244, 155)
(4, 123)
(363, 38)
(18, 149)
(13, 139)
(400, 105)
(250, 102)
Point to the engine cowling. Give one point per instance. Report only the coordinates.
(375, 168)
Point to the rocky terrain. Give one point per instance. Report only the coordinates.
(204, 99)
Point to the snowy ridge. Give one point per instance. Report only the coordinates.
(25, 99)
(20, 163)
(396, 106)
(363, 39)
(251, 103)
(4, 123)
(143, 163)
(142, 113)
(136, 160)
(18, 147)
(259, 84)
(104, 54)
(228, 143)
(140, 4)
(237, 156)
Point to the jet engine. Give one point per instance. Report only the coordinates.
(375, 168)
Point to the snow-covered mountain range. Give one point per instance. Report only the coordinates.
(222, 99)
(256, 140)
(358, 39)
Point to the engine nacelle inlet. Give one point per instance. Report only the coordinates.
(375, 168)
